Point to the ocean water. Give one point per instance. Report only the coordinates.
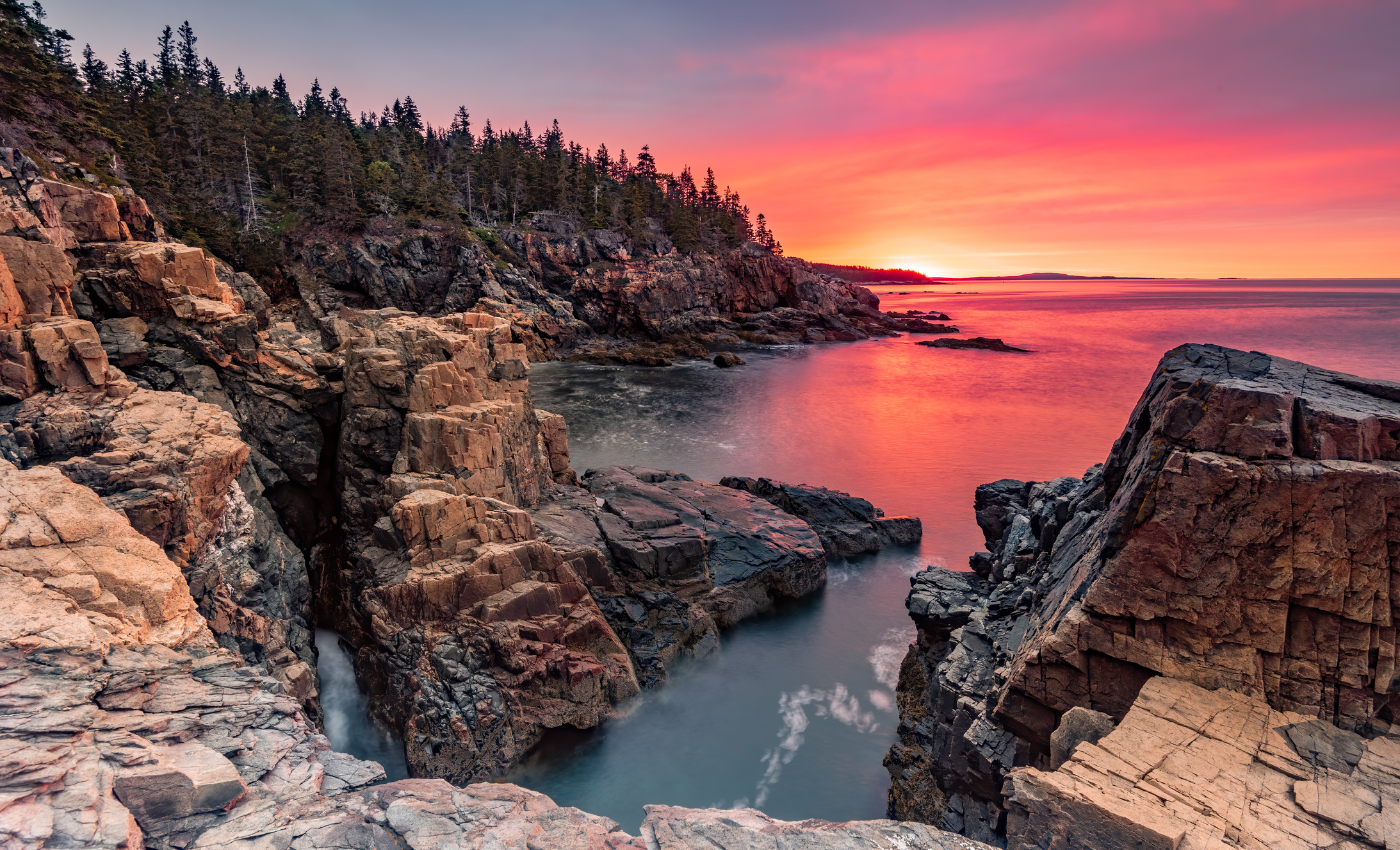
(796, 711)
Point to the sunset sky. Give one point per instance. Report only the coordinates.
(1157, 137)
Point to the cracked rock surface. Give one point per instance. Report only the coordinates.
(1242, 535)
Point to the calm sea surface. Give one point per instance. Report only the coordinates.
(795, 713)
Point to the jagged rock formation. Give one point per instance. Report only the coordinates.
(598, 294)
(403, 456)
(126, 725)
(847, 525)
(1241, 536)
(678, 557)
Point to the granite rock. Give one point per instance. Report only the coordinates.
(1239, 537)
(1189, 767)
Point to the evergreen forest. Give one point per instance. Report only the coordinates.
(250, 171)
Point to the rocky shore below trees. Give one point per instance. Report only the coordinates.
(195, 477)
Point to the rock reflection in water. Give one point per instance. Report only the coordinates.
(348, 725)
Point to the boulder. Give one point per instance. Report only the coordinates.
(1077, 726)
(179, 780)
(69, 355)
(728, 359)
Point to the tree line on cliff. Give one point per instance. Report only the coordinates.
(245, 169)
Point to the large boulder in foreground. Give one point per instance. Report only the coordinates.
(1241, 536)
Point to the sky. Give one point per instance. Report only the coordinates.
(1198, 138)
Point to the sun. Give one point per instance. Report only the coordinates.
(920, 265)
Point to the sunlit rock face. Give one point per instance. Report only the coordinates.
(1191, 767)
(1241, 535)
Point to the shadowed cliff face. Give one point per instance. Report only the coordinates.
(1241, 535)
(597, 295)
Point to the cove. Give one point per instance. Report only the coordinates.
(792, 715)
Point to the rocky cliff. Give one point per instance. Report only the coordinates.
(126, 725)
(1242, 536)
(595, 294)
(344, 462)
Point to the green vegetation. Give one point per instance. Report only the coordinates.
(251, 171)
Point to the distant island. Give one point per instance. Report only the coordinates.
(865, 274)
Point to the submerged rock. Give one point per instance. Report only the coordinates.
(976, 343)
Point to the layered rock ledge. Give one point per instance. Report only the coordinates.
(1241, 537)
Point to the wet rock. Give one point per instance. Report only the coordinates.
(976, 343)
(727, 359)
(913, 325)
(741, 550)
(846, 524)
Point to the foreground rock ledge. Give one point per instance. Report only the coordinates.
(1191, 768)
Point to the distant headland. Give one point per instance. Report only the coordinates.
(865, 274)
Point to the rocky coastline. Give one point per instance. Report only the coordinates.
(1191, 646)
(196, 477)
(1217, 593)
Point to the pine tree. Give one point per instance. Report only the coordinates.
(710, 193)
(240, 84)
(126, 74)
(213, 79)
(94, 69)
(410, 117)
(189, 58)
(165, 58)
(315, 103)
